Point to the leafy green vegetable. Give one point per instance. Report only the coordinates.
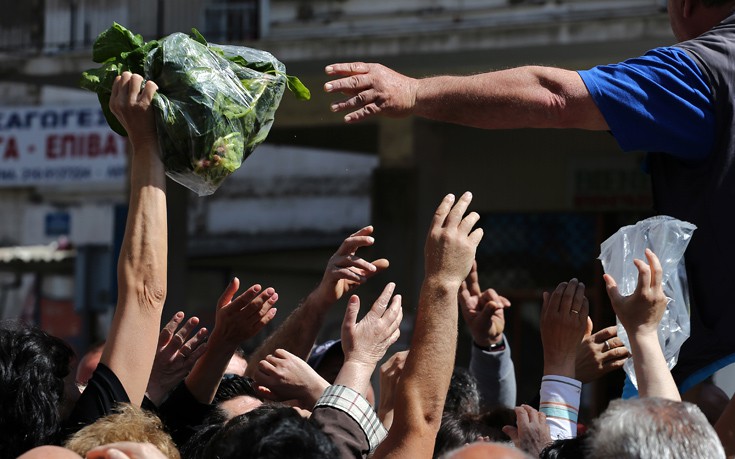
(214, 105)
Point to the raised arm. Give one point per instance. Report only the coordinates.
(640, 314)
(345, 271)
(421, 392)
(563, 324)
(141, 269)
(365, 342)
(175, 356)
(490, 362)
(236, 321)
(539, 97)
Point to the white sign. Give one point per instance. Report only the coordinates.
(55, 145)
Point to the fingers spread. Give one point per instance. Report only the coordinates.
(353, 307)
(454, 218)
(229, 292)
(442, 211)
(350, 68)
(657, 276)
(168, 331)
(382, 302)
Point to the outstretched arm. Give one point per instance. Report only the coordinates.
(141, 270)
(237, 320)
(640, 314)
(539, 97)
(345, 271)
(421, 392)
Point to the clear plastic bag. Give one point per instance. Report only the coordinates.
(214, 103)
(212, 111)
(668, 238)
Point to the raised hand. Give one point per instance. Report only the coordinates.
(130, 102)
(373, 89)
(242, 318)
(483, 311)
(450, 246)
(345, 270)
(600, 353)
(365, 342)
(640, 314)
(532, 434)
(368, 340)
(563, 324)
(236, 320)
(282, 376)
(642, 311)
(175, 356)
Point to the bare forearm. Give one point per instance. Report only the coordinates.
(422, 390)
(296, 335)
(130, 349)
(356, 376)
(652, 373)
(206, 375)
(525, 97)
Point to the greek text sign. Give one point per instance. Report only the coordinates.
(56, 145)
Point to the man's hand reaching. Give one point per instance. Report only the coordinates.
(175, 356)
(372, 89)
(483, 311)
(346, 271)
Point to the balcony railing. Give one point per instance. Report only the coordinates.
(32, 27)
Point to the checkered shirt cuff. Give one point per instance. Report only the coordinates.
(347, 400)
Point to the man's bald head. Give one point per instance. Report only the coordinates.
(487, 450)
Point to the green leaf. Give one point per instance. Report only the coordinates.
(297, 87)
(198, 36)
(134, 60)
(113, 42)
(104, 99)
(102, 78)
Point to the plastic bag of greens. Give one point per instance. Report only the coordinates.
(214, 104)
(668, 238)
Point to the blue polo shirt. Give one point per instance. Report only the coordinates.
(659, 102)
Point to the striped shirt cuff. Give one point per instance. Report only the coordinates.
(560, 403)
(358, 408)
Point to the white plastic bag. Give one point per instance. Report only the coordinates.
(668, 238)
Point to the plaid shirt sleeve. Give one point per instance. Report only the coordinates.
(354, 405)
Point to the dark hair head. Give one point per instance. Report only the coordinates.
(268, 433)
(233, 386)
(462, 396)
(570, 448)
(196, 445)
(457, 430)
(33, 365)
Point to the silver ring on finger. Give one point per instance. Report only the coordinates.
(607, 345)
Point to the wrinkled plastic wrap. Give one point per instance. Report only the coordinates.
(668, 238)
(214, 103)
(211, 112)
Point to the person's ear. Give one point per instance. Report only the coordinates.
(687, 8)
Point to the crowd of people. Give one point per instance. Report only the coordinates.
(177, 392)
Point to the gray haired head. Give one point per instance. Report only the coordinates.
(653, 427)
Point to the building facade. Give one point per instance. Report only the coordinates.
(548, 198)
